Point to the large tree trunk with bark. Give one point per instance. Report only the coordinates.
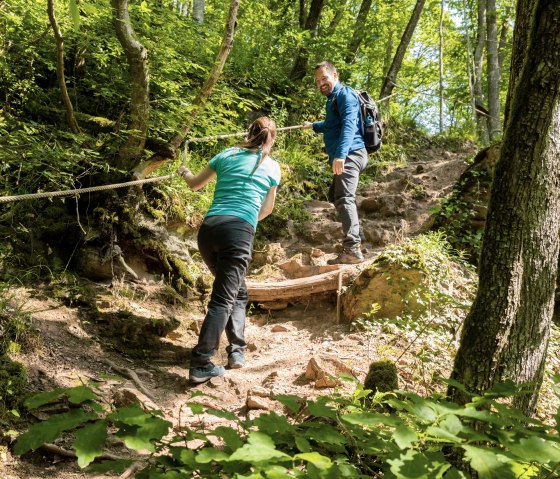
(480, 110)
(359, 31)
(493, 67)
(198, 11)
(153, 163)
(506, 332)
(70, 118)
(391, 77)
(137, 58)
(299, 70)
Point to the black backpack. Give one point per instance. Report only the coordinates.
(372, 126)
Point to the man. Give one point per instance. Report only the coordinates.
(348, 157)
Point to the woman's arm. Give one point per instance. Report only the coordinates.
(197, 181)
(268, 203)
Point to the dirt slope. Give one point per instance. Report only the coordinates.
(80, 344)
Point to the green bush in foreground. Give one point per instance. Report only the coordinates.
(328, 437)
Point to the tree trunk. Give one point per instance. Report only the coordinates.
(137, 58)
(506, 333)
(391, 77)
(359, 31)
(198, 11)
(493, 68)
(145, 168)
(70, 118)
(299, 70)
(482, 127)
(441, 66)
(504, 29)
(523, 16)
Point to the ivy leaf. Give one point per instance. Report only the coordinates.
(489, 464)
(47, 431)
(259, 448)
(89, 442)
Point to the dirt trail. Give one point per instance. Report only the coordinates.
(78, 347)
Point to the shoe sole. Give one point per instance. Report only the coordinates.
(236, 365)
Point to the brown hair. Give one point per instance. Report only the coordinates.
(328, 65)
(261, 135)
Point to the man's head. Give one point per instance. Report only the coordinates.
(326, 77)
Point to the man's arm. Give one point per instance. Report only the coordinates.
(348, 110)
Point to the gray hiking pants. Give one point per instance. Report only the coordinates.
(344, 197)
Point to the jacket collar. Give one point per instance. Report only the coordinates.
(335, 90)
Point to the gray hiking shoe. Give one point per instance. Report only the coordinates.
(236, 360)
(201, 374)
(348, 256)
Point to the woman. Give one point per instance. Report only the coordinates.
(247, 179)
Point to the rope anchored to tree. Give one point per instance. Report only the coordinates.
(79, 191)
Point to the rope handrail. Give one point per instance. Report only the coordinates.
(78, 191)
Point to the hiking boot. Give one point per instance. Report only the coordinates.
(348, 256)
(201, 374)
(236, 360)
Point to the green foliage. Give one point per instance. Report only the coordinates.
(331, 436)
(13, 379)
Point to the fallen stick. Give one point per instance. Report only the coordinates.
(129, 373)
(65, 453)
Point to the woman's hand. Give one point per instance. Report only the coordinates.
(184, 171)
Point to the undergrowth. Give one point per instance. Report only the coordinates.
(391, 435)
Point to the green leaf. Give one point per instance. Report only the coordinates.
(80, 394)
(211, 454)
(536, 449)
(230, 436)
(133, 416)
(259, 448)
(49, 430)
(302, 444)
(318, 460)
(40, 399)
(75, 14)
(272, 423)
(293, 403)
(370, 419)
(184, 456)
(277, 472)
(144, 436)
(411, 464)
(404, 436)
(89, 442)
(320, 409)
(488, 463)
(222, 414)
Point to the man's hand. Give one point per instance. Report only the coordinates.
(338, 166)
(307, 125)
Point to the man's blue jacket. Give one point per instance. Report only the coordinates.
(342, 132)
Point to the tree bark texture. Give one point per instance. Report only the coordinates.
(70, 118)
(391, 77)
(524, 15)
(506, 333)
(198, 11)
(137, 58)
(153, 163)
(359, 31)
(441, 104)
(299, 70)
(493, 67)
(481, 111)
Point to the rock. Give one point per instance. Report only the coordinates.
(274, 305)
(258, 402)
(324, 370)
(282, 328)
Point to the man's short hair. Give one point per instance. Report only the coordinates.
(327, 65)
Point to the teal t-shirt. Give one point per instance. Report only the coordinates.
(240, 191)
